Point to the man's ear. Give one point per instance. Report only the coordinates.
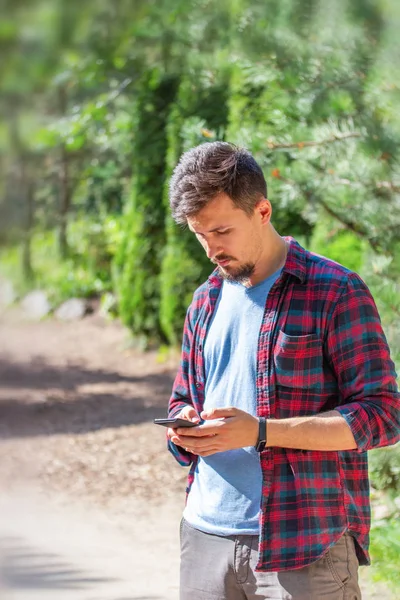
(264, 209)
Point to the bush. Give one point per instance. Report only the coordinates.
(138, 260)
(11, 269)
(384, 468)
(87, 271)
(337, 243)
(184, 264)
(385, 552)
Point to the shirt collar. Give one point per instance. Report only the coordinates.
(296, 259)
(295, 263)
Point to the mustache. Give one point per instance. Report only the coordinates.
(221, 257)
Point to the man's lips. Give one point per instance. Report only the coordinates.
(223, 263)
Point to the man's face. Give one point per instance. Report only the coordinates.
(232, 240)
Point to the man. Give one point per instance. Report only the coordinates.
(287, 371)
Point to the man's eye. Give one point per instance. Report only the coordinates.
(223, 232)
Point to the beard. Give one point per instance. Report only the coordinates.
(239, 275)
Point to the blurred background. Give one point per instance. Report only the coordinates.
(98, 100)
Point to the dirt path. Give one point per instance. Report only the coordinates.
(82, 405)
(91, 500)
(51, 550)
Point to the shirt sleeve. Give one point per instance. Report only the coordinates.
(180, 396)
(359, 355)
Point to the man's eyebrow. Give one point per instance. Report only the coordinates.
(211, 230)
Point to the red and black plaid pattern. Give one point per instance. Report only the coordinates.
(321, 347)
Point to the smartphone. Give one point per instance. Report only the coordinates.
(174, 423)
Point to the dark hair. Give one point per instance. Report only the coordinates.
(212, 168)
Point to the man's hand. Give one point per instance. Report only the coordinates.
(225, 429)
(187, 413)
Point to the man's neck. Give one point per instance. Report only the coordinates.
(272, 259)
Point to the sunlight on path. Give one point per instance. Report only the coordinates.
(53, 551)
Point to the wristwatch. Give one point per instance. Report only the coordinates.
(262, 434)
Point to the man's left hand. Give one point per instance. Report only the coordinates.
(225, 429)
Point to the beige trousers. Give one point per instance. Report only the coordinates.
(223, 568)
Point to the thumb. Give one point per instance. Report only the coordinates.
(219, 413)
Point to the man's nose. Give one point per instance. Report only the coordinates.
(212, 250)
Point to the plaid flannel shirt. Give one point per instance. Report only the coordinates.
(321, 347)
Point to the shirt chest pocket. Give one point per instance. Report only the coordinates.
(298, 360)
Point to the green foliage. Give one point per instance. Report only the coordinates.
(85, 274)
(334, 241)
(198, 115)
(139, 259)
(108, 305)
(181, 274)
(384, 468)
(301, 101)
(381, 272)
(308, 87)
(11, 269)
(385, 552)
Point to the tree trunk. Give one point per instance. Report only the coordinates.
(29, 193)
(65, 203)
(26, 190)
(65, 187)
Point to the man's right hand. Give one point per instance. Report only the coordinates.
(188, 413)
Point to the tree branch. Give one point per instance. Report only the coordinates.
(379, 185)
(310, 143)
(388, 185)
(115, 93)
(351, 225)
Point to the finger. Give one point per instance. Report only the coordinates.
(190, 414)
(203, 447)
(204, 451)
(209, 453)
(195, 445)
(219, 413)
(179, 441)
(187, 438)
(200, 431)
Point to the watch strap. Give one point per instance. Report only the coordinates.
(262, 434)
